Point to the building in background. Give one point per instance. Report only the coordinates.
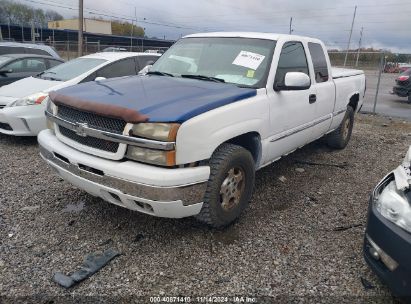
(89, 25)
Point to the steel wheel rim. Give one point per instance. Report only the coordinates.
(232, 188)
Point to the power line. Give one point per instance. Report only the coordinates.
(282, 12)
(129, 18)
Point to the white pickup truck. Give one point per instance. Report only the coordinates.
(186, 138)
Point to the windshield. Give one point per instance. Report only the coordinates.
(4, 59)
(241, 61)
(71, 69)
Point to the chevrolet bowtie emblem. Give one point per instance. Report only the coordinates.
(80, 129)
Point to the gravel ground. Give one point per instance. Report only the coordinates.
(287, 245)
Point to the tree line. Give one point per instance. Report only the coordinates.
(21, 14)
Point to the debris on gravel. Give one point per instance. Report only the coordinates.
(285, 245)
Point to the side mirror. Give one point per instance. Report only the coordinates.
(145, 70)
(294, 81)
(100, 78)
(6, 71)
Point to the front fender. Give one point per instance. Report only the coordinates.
(200, 136)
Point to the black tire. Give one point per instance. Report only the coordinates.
(339, 138)
(409, 97)
(227, 161)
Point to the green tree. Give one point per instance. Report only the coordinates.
(126, 29)
(17, 13)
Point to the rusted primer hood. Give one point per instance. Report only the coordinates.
(103, 109)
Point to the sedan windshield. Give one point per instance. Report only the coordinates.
(71, 69)
(241, 61)
(4, 59)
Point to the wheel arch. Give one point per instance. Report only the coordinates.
(251, 141)
(354, 101)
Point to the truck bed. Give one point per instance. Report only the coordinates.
(343, 72)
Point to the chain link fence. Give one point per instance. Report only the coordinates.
(69, 49)
(381, 69)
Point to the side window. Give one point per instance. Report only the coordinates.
(90, 77)
(35, 65)
(143, 61)
(319, 62)
(292, 59)
(27, 65)
(16, 66)
(121, 68)
(36, 51)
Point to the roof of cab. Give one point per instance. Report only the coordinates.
(257, 35)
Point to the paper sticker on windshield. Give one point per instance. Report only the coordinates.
(249, 60)
(250, 73)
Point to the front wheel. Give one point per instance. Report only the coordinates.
(229, 187)
(340, 137)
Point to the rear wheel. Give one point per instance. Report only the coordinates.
(229, 187)
(409, 98)
(340, 137)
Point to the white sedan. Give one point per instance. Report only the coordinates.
(21, 103)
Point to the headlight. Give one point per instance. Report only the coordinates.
(156, 157)
(156, 131)
(34, 99)
(394, 205)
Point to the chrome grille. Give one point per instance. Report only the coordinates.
(95, 121)
(89, 141)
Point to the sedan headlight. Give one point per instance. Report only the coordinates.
(394, 205)
(156, 131)
(34, 99)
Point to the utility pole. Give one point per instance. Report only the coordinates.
(80, 28)
(349, 39)
(359, 46)
(132, 33)
(9, 29)
(33, 37)
(291, 25)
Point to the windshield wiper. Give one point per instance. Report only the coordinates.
(203, 77)
(51, 78)
(159, 73)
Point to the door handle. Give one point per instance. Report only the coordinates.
(312, 98)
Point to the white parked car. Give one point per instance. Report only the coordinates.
(186, 138)
(21, 103)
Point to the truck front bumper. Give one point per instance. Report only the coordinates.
(172, 193)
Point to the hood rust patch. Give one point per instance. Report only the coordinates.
(128, 115)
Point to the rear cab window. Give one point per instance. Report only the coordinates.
(319, 62)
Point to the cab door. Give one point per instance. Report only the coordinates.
(325, 88)
(292, 112)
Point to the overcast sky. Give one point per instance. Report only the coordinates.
(387, 24)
